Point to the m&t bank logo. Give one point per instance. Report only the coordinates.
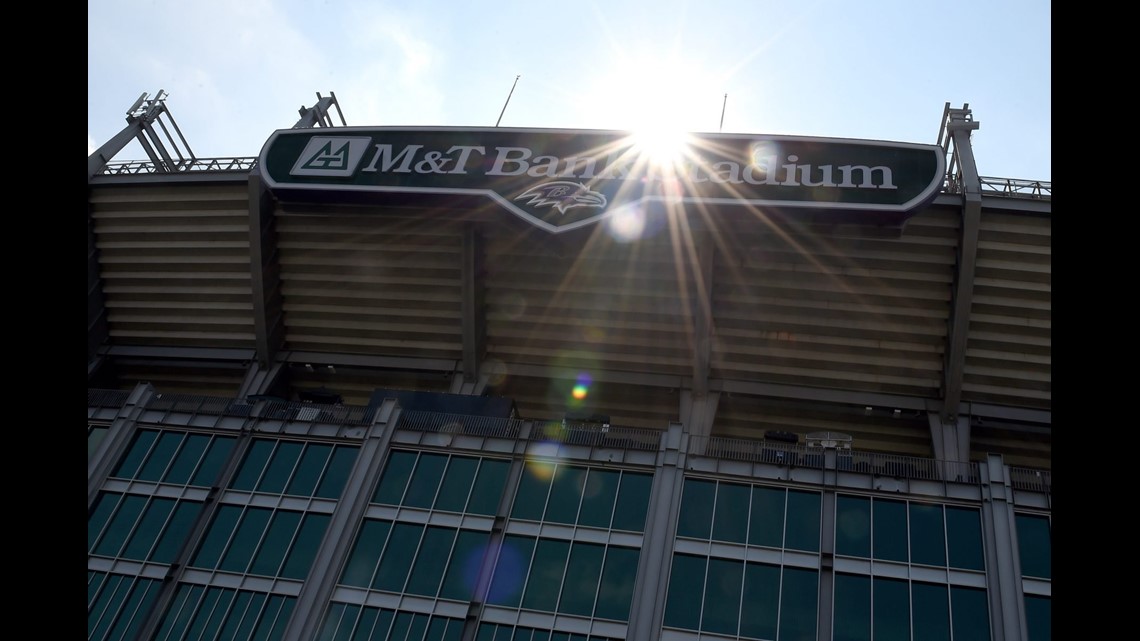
(330, 156)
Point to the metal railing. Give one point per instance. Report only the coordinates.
(1030, 479)
(1011, 187)
(488, 426)
(598, 435)
(106, 398)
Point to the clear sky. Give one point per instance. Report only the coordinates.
(237, 70)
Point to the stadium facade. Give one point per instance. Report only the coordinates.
(490, 384)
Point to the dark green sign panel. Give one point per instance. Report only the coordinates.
(560, 179)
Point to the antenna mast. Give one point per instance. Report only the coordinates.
(722, 107)
(508, 101)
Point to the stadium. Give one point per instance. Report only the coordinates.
(457, 384)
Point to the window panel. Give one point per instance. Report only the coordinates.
(365, 556)
(390, 490)
(852, 608)
(799, 599)
(697, 501)
(457, 483)
(431, 561)
(211, 467)
(252, 465)
(730, 518)
(417, 627)
(927, 535)
(632, 502)
(309, 470)
(767, 518)
(489, 485)
(890, 609)
(463, 570)
(931, 612)
(761, 601)
(239, 610)
(128, 467)
(1034, 546)
(217, 536)
(147, 530)
(802, 529)
(853, 526)
(305, 546)
(964, 538)
(121, 525)
(534, 486)
(336, 474)
(722, 596)
(160, 456)
(399, 631)
(270, 553)
(280, 468)
(180, 526)
(398, 555)
(193, 447)
(546, 572)
(971, 614)
(101, 512)
(686, 585)
(510, 570)
(365, 624)
(888, 530)
(582, 574)
(565, 495)
(245, 540)
(616, 590)
(425, 480)
(1038, 618)
(598, 498)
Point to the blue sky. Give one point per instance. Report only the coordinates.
(237, 70)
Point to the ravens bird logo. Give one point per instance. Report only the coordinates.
(563, 195)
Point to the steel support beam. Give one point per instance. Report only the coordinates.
(474, 309)
(265, 272)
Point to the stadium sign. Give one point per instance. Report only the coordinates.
(561, 179)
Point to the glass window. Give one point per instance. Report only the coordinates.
(214, 461)
(761, 601)
(193, 446)
(730, 518)
(128, 467)
(565, 495)
(888, 530)
(281, 466)
(457, 483)
(964, 538)
(697, 500)
(245, 540)
(425, 480)
(489, 485)
(160, 456)
(431, 561)
(802, 531)
(217, 537)
(582, 574)
(252, 465)
(148, 528)
(931, 614)
(890, 609)
(390, 490)
(365, 554)
(534, 486)
(121, 525)
(466, 562)
(852, 618)
(1034, 545)
(722, 596)
(176, 532)
(305, 546)
(767, 517)
(337, 471)
(927, 535)
(397, 558)
(598, 498)
(971, 614)
(632, 502)
(1038, 618)
(510, 570)
(798, 604)
(686, 583)
(309, 470)
(853, 526)
(616, 590)
(277, 540)
(545, 578)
